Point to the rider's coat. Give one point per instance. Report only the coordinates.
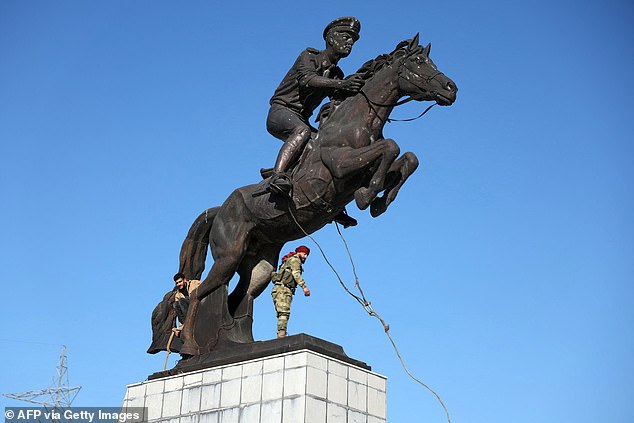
(295, 94)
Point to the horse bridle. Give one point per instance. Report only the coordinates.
(407, 100)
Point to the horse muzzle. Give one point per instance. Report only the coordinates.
(448, 95)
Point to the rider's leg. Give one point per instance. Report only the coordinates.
(292, 149)
(295, 131)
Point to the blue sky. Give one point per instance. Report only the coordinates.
(505, 267)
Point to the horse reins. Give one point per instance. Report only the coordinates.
(398, 103)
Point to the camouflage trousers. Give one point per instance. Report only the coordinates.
(282, 297)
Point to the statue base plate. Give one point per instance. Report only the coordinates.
(236, 353)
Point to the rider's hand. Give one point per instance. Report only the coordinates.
(306, 292)
(354, 83)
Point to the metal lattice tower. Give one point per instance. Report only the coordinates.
(59, 394)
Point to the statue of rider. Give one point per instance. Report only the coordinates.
(313, 77)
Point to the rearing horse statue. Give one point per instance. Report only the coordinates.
(348, 160)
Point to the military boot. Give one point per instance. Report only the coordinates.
(281, 333)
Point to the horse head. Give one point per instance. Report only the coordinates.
(419, 77)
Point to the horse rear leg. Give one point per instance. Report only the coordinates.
(208, 320)
(255, 274)
(400, 170)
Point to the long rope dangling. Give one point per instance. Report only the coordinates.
(363, 301)
(386, 327)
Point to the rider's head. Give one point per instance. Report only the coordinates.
(341, 34)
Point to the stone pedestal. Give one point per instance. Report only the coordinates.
(300, 386)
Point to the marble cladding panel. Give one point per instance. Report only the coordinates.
(357, 396)
(209, 417)
(272, 385)
(315, 410)
(316, 382)
(376, 403)
(337, 389)
(190, 402)
(335, 413)
(172, 404)
(271, 412)
(356, 417)
(210, 397)
(297, 387)
(250, 414)
(293, 409)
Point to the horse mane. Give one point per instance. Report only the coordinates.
(371, 67)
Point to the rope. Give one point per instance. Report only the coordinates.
(364, 302)
(386, 327)
(169, 344)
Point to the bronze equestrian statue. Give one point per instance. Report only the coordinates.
(348, 159)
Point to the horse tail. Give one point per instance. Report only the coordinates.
(194, 250)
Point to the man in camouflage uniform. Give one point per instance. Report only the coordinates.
(285, 282)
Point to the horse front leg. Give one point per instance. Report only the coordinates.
(401, 169)
(346, 161)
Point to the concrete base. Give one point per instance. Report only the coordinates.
(295, 387)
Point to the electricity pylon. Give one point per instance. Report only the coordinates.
(58, 395)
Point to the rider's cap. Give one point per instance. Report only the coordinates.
(348, 24)
(302, 249)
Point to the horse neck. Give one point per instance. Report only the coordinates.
(382, 93)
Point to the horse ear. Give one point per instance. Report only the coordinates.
(414, 42)
(427, 49)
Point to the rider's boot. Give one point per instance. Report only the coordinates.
(345, 220)
(281, 333)
(289, 153)
(279, 181)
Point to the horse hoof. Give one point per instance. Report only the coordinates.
(379, 206)
(361, 198)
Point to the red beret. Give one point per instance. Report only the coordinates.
(302, 249)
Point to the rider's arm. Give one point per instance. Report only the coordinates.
(317, 81)
(308, 77)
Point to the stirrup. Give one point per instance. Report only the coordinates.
(280, 183)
